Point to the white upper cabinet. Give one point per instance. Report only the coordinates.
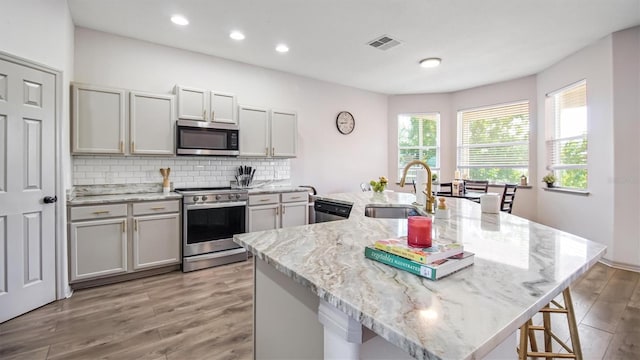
(254, 131)
(152, 123)
(223, 108)
(283, 133)
(98, 120)
(206, 105)
(267, 133)
(193, 104)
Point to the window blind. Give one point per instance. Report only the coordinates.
(567, 142)
(495, 137)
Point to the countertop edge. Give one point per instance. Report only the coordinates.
(119, 198)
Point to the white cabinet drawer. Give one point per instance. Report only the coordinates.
(156, 207)
(264, 199)
(98, 211)
(295, 196)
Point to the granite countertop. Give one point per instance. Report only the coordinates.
(118, 198)
(275, 190)
(519, 267)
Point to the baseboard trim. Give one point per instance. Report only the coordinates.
(621, 266)
(126, 277)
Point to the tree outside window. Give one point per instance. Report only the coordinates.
(418, 139)
(493, 143)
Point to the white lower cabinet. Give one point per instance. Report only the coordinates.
(295, 214)
(115, 239)
(273, 211)
(154, 240)
(264, 217)
(98, 248)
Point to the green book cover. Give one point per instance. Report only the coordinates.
(431, 271)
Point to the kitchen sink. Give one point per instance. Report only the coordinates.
(390, 211)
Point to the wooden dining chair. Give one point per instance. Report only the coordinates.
(476, 186)
(508, 196)
(445, 189)
(480, 186)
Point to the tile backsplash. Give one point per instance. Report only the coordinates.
(185, 171)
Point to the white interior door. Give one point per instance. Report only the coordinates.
(27, 176)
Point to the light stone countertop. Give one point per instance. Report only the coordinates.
(275, 190)
(107, 194)
(118, 198)
(519, 267)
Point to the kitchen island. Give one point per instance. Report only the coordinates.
(317, 295)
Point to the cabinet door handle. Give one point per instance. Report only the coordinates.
(212, 115)
(283, 210)
(135, 225)
(121, 146)
(273, 151)
(158, 208)
(101, 212)
(295, 197)
(277, 210)
(124, 226)
(204, 115)
(266, 151)
(263, 200)
(133, 147)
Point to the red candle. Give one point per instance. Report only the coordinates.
(419, 233)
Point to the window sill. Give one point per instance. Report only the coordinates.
(568, 191)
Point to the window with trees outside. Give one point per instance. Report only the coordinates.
(418, 139)
(567, 136)
(493, 143)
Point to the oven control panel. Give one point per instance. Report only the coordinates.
(215, 198)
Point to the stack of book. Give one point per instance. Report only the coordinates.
(432, 263)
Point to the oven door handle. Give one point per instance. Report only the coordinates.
(216, 205)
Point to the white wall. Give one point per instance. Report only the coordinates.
(626, 132)
(326, 159)
(448, 105)
(587, 216)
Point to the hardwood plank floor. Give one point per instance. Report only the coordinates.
(208, 314)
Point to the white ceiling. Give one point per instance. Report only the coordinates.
(480, 41)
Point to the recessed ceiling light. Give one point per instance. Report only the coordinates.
(282, 48)
(236, 35)
(430, 62)
(179, 20)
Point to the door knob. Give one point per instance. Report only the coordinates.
(50, 199)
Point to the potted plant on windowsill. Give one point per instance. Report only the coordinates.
(550, 179)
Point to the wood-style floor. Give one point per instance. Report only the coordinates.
(207, 314)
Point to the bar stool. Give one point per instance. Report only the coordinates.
(527, 333)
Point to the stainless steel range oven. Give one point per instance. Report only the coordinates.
(210, 218)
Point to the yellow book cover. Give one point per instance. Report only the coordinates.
(437, 251)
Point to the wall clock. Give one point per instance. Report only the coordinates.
(345, 122)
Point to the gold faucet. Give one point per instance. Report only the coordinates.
(430, 198)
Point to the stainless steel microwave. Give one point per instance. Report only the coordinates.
(206, 138)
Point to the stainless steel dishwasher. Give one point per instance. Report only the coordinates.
(331, 210)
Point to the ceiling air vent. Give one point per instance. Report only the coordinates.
(384, 42)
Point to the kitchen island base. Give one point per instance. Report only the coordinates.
(291, 322)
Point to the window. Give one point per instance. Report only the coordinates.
(493, 142)
(418, 139)
(567, 136)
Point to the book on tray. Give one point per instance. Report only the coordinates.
(437, 251)
(432, 271)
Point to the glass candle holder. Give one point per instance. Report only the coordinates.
(419, 231)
